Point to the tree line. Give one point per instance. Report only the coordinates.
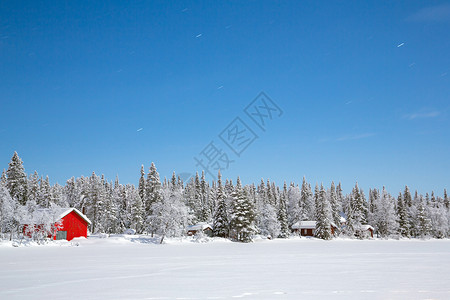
(235, 211)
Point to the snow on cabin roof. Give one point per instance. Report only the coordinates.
(308, 225)
(366, 227)
(43, 215)
(199, 226)
(304, 225)
(65, 211)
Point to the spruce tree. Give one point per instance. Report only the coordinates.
(142, 187)
(243, 216)
(294, 205)
(334, 205)
(323, 214)
(152, 194)
(407, 197)
(350, 227)
(3, 179)
(402, 216)
(33, 187)
(446, 200)
(173, 182)
(424, 223)
(306, 202)
(16, 181)
(110, 221)
(95, 202)
(339, 196)
(221, 224)
(373, 199)
(205, 212)
(359, 206)
(7, 211)
(269, 194)
(386, 217)
(44, 194)
(282, 214)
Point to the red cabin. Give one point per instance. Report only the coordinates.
(68, 224)
(74, 224)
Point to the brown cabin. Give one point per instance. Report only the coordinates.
(204, 227)
(307, 228)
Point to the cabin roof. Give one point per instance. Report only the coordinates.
(199, 226)
(308, 225)
(366, 227)
(65, 211)
(41, 214)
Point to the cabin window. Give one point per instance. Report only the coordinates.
(61, 235)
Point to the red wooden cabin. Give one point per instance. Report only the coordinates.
(69, 224)
(74, 224)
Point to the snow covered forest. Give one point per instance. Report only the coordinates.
(165, 208)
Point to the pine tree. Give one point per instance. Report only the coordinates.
(268, 223)
(16, 181)
(142, 187)
(153, 185)
(359, 206)
(137, 213)
(56, 196)
(197, 207)
(294, 205)
(307, 202)
(243, 216)
(334, 205)
(33, 187)
(413, 215)
(407, 197)
(323, 214)
(205, 212)
(44, 195)
(438, 216)
(373, 199)
(446, 200)
(269, 195)
(386, 217)
(402, 216)
(212, 196)
(189, 198)
(94, 194)
(266, 213)
(339, 196)
(351, 226)
(424, 223)
(173, 182)
(282, 214)
(3, 179)
(152, 194)
(221, 224)
(7, 211)
(70, 191)
(110, 222)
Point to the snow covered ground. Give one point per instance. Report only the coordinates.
(137, 268)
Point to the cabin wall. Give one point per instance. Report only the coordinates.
(75, 226)
(307, 232)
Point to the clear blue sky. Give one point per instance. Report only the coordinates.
(364, 88)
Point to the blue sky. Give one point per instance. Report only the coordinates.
(364, 88)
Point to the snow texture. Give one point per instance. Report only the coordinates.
(135, 267)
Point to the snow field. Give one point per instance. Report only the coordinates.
(135, 268)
